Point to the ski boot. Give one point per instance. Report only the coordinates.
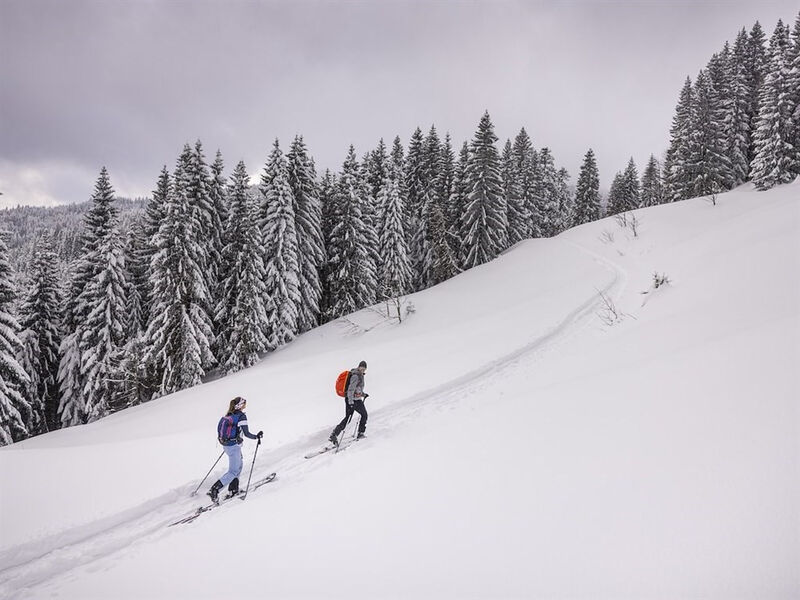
(361, 435)
(334, 439)
(214, 491)
(233, 488)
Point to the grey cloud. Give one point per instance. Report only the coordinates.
(125, 84)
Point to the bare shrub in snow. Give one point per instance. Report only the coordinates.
(712, 198)
(633, 224)
(607, 237)
(398, 308)
(628, 221)
(393, 310)
(609, 314)
(659, 280)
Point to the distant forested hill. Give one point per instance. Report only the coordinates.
(26, 224)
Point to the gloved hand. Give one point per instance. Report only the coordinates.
(366, 396)
(260, 434)
(350, 402)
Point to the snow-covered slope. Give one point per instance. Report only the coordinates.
(523, 442)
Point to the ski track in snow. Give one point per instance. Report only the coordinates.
(28, 565)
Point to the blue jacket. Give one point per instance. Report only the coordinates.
(240, 421)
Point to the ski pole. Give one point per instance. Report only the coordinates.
(207, 474)
(344, 430)
(251, 469)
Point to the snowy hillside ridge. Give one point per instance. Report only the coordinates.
(550, 424)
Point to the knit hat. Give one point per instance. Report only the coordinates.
(363, 363)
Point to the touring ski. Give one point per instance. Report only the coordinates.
(257, 484)
(344, 445)
(203, 509)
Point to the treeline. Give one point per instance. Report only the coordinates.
(740, 118)
(213, 272)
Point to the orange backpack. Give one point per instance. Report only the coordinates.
(341, 383)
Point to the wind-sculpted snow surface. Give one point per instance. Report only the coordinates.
(539, 427)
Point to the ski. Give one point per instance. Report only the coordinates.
(203, 509)
(328, 447)
(199, 511)
(257, 484)
(322, 450)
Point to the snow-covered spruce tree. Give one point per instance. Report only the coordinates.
(566, 201)
(370, 214)
(208, 215)
(717, 71)
(351, 271)
(738, 119)
(415, 185)
(445, 175)
(444, 185)
(587, 194)
(16, 411)
(523, 156)
(424, 182)
(98, 223)
(484, 226)
(616, 196)
(104, 331)
(631, 197)
(432, 154)
(281, 261)
(40, 319)
(457, 205)
(377, 167)
(431, 243)
(308, 226)
(720, 74)
(775, 159)
(546, 194)
(794, 84)
(652, 190)
(327, 198)
(397, 166)
(137, 278)
(180, 328)
(439, 262)
(71, 405)
(517, 215)
(217, 191)
(677, 173)
(219, 219)
(415, 173)
(151, 221)
(708, 166)
(757, 61)
(134, 378)
(395, 272)
(244, 297)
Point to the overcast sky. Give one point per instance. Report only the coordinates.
(125, 84)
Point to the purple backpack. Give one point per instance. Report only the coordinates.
(227, 428)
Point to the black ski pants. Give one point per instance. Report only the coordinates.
(357, 406)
